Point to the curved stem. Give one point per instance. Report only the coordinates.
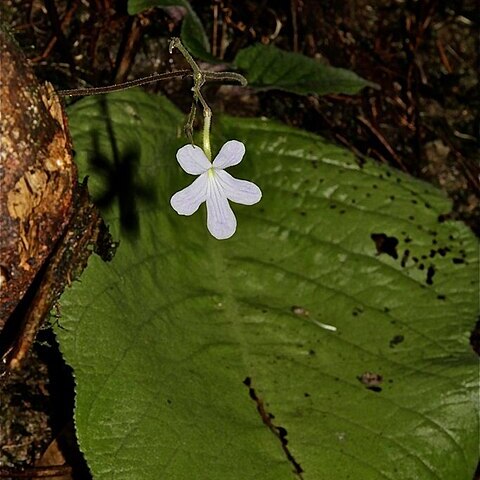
(198, 79)
(122, 86)
(222, 76)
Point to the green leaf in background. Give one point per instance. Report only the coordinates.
(192, 34)
(180, 342)
(267, 67)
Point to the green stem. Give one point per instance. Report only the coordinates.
(207, 120)
(199, 78)
(222, 76)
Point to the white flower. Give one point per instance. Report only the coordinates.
(214, 186)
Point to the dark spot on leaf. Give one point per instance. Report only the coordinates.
(386, 309)
(353, 200)
(457, 261)
(434, 241)
(398, 180)
(451, 237)
(374, 186)
(303, 213)
(333, 206)
(415, 259)
(427, 205)
(388, 174)
(306, 394)
(407, 240)
(462, 253)
(314, 163)
(432, 253)
(392, 197)
(475, 341)
(341, 212)
(282, 432)
(443, 251)
(396, 340)
(357, 311)
(380, 176)
(421, 266)
(411, 217)
(441, 297)
(441, 218)
(371, 381)
(414, 201)
(367, 194)
(404, 260)
(355, 187)
(423, 257)
(385, 244)
(311, 352)
(430, 274)
(169, 401)
(279, 432)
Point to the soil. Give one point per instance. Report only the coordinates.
(423, 120)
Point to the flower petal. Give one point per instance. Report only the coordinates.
(230, 154)
(193, 160)
(221, 221)
(187, 201)
(238, 191)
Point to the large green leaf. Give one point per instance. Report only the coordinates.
(192, 34)
(183, 341)
(268, 67)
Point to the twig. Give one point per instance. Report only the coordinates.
(36, 472)
(381, 138)
(62, 40)
(293, 10)
(124, 85)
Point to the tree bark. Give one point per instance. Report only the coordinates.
(37, 174)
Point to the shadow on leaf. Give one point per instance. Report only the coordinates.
(120, 177)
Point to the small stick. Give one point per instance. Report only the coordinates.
(122, 86)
